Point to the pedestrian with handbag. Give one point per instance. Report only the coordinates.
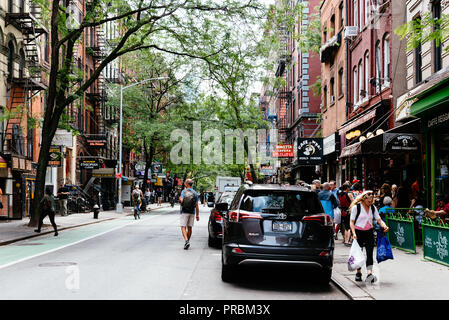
(345, 198)
(363, 215)
(47, 208)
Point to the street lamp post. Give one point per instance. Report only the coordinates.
(120, 171)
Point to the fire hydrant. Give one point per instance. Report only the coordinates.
(96, 211)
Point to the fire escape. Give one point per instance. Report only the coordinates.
(97, 92)
(29, 82)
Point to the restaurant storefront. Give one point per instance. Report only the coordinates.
(432, 107)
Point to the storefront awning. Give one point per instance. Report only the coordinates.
(351, 150)
(434, 100)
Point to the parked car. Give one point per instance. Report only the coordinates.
(215, 225)
(210, 199)
(277, 226)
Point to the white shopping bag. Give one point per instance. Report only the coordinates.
(356, 257)
(337, 215)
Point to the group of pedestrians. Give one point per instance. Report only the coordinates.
(355, 216)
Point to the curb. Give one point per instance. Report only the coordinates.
(7, 242)
(351, 290)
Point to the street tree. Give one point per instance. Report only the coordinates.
(188, 28)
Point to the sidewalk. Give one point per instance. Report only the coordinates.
(16, 230)
(407, 277)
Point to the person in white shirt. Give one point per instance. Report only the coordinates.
(363, 214)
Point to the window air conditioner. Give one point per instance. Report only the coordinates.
(350, 31)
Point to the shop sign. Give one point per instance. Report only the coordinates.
(438, 120)
(103, 173)
(55, 156)
(310, 151)
(63, 138)
(96, 141)
(283, 151)
(402, 142)
(267, 171)
(330, 144)
(89, 164)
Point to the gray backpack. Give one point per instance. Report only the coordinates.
(188, 203)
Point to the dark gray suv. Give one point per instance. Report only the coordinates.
(276, 225)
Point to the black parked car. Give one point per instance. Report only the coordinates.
(276, 225)
(215, 225)
(210, 199)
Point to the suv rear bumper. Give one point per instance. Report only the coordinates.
(307, 258)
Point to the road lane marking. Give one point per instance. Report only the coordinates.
(10, 248)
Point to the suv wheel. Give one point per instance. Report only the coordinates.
(228, 273)
(325, 276)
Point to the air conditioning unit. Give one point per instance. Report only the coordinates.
(350, 31)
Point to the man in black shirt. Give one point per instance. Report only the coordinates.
(63, 194)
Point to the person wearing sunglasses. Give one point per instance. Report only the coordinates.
(363, 214)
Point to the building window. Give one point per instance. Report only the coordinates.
(356, 14)
(437, 46)
(418, 64)
(378, 66)
(359, 97)
(11, 52)
(332, 93)
(340, 82)
(367, 74)
(325, 97)
(10, 6)
(341, 13)
(361, 15)
(367, 11)
(354, 83)
(387, 59)
(46, 49)
(332, 31)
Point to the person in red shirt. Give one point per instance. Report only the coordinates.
(442, 209)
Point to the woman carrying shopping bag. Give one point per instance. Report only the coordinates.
(363, 214)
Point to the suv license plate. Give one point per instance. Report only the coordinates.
(282, 226)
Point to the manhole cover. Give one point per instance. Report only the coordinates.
(57, 264)
(29, 244)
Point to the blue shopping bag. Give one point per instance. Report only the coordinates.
(384, 251)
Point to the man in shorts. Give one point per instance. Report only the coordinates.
(189, 203)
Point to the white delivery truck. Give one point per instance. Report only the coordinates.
(223, 184)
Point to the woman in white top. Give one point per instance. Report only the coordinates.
(363, 213)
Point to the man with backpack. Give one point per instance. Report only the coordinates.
(48, 208)
(137, 197)
(189, 203)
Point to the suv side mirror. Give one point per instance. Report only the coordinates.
(223, 206)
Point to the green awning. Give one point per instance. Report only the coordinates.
(433, 100)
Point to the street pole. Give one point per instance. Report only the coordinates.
(120, 171)
(119, 204)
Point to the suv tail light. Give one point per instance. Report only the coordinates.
(235, 217)
(325, 219)
(217, 216)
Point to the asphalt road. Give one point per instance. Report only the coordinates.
(144, 259)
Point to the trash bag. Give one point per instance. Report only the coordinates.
(384, 251)
(356, 257)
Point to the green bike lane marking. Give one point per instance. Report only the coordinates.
(28, 249)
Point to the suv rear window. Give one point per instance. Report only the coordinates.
(294, 203)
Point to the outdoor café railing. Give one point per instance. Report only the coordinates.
(402, 224)
(435, 240)
(434, 233)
